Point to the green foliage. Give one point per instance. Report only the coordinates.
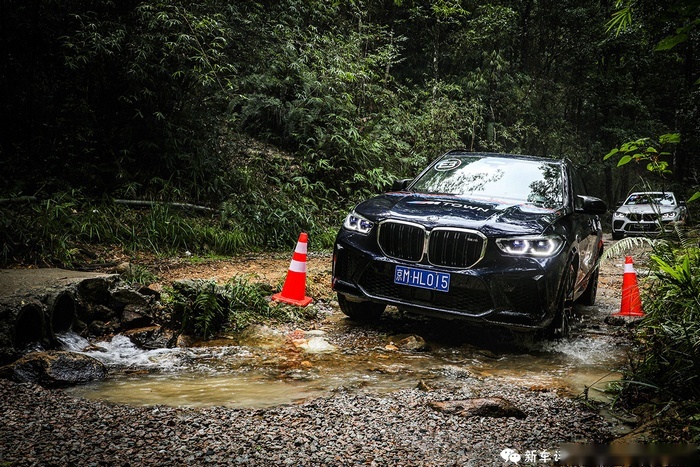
(283, 115)
(203, 308)
(248, 302)
(665, 361)
(56, 230)
(200, 309)
(644, 150)
(137, 274)
(669, 335)
(621, 19)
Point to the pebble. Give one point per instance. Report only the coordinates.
(49, 427)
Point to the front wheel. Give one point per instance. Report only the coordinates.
(560, 328)
(589, 295)
(361, 311)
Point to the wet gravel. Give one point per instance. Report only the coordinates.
(49, 427)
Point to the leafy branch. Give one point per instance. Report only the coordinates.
(645, 150)
(649, 151)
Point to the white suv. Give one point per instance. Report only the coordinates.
(647, 212)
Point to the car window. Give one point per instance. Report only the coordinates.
(503, 180)
(664, 199)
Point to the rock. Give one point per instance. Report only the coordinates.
(317, 345)
(261, 336)
(97, 290)
(149, 292)
(96, 312)
(615, 320)
(481, 407)
(184, 341)
(129, 296)
(55, 368)
(412, 343)
(151, 337)
(423, 386)
(188, 287)
(98, 328)
(135, 317)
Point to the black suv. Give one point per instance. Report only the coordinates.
(494, 238)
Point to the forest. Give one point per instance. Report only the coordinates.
(280, 115)
(217, 127)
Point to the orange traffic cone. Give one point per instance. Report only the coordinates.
(631, 301)
(294, 289)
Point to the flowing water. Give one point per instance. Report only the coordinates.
(272, 367)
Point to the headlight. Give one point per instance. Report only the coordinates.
(619, 214)
(358, 223)
(531, 246)
(668, 216)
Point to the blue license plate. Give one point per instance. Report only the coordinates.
(415, 277)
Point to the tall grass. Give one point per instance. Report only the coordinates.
(57, 230)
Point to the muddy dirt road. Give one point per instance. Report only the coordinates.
(331, 391)
(287, 363)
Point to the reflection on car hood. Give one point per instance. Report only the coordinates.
(489, 217)
(645, 209)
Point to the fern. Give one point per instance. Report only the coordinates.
(208, 310)
(628, 244)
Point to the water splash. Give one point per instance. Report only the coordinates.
(121, 353)
(586, 350)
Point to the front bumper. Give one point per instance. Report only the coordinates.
(629, 227)
(520, 296)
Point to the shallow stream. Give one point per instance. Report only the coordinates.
(267, 366)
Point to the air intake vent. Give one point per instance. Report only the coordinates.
(448, 247)
(455, 248)
(402, 240)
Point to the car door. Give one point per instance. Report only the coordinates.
(588, 232)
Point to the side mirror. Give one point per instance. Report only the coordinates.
(592, 205)
(401, 185)
(681, 202)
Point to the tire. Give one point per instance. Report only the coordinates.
(589, 295)
(361, 311)
(618, 235)
(560, 327)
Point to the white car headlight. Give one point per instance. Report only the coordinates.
(531, 246)
(619, 214)
(669, 216)
(357, 223)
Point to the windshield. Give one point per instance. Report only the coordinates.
(503, 180)
(664, 199)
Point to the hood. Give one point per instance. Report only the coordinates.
(491, 218)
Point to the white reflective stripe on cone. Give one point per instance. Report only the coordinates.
(629, 267)
(297, 266)
(301, 248)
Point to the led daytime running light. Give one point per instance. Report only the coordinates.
(530, 246)
(358, 223)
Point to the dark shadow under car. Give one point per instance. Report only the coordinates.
(493, 238)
